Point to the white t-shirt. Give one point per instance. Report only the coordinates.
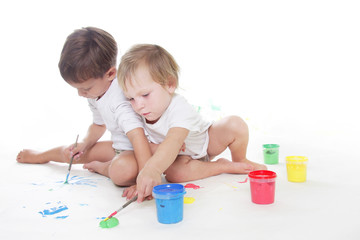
(114, 110)
(181, 114)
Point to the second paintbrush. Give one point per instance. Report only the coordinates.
(122, 207)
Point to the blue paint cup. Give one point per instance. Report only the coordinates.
(169, 202)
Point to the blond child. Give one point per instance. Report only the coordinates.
(87, 63)
(148, 75)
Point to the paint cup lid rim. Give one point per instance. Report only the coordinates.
(271, 145)
(262, 174)
(168, 189)
(296, 159)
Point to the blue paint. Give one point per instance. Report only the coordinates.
(76, 180)
(62, 217)
(67, 177)
(169, 200)
(53, 210)
(37, 184)
(83, 204)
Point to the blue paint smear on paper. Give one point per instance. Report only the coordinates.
(53, 210)
(62, 217)
(37, 184)
(76, 180)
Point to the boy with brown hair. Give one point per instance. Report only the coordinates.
(88, 63)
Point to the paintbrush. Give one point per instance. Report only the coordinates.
(122, 207)
(71, 160)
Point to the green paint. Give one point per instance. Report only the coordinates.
(271, 153)
(215, 108)
(112, 222)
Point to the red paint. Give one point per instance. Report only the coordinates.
(245, 181)
(262, 185)
(262, 193)
(193, 186)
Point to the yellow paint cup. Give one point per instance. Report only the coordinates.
(296, 168)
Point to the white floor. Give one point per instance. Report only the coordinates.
(289, 68)
(326, 206)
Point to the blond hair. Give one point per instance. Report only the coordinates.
(162, 66)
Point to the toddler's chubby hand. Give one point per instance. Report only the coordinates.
(131, 192)
(74, 151)
(146, 180)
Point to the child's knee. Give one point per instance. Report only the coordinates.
(123, 177)
(121, 173)
(175, 176)
(237, 124)
(179, 171)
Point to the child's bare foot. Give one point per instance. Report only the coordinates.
(244, 166)
(30, 156)
(235, 167)
(98, 167)
(256, 166)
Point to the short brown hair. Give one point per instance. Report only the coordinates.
(162, 66)
(87, 53)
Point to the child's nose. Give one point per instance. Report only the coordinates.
(139, 104)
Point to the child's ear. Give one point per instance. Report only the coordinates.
(171, 86)
(111, 73)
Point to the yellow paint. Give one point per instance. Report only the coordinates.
(231, 185)
(296, 168)
(189, 200)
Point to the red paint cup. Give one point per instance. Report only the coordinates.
(262, 186)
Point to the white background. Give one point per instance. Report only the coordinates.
(290, 68)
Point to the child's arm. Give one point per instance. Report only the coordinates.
(164, 156)
(94, 133)
(142, 153)
(141, 146)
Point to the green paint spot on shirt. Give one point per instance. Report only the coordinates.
(112, 222)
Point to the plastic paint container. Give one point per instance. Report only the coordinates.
(169, 202)
(262, 186)
(271, 153)
(296, 168)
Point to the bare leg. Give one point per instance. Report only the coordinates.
(122, 169)
(185, 169)
(101, 151)
(32, 156)
(231, 132)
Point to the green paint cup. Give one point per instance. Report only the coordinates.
(271, 153)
